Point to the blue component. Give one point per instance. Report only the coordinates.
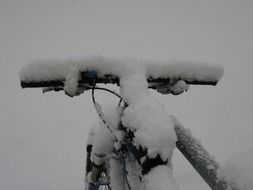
(91, 74)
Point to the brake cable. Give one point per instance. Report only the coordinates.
(99, 110)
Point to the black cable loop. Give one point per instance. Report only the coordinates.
(99, 114)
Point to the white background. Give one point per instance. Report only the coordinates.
(42, 137)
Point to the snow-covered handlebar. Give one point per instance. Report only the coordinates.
(165, 77)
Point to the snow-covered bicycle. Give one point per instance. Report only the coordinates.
(131, 145)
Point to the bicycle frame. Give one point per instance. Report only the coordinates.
(87, 78)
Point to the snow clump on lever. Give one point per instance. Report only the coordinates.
(71, 82)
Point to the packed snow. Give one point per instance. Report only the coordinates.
(147, 117)
(71, 82)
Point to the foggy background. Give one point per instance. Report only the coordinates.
(43, 136)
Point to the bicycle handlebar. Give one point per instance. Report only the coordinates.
(161, 76)
(111, 79)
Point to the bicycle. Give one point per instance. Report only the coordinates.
(120, 152)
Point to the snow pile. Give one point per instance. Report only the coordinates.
(71, 82)
(238, 170)
(153, 128)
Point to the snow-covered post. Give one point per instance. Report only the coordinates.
(200, 159)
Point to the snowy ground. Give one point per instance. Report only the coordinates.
(42, 137)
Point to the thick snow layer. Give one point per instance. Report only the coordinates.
(59, 69)
(153, 128)
(238, 170)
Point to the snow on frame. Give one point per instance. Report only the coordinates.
(52, 69)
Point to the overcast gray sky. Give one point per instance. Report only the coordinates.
(42, 137)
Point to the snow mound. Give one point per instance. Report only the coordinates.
(238, 170)
(154, 129)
